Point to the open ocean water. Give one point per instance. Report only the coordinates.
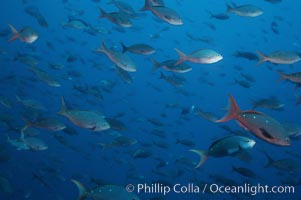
(120, 100)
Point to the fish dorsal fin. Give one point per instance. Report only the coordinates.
(253, 112)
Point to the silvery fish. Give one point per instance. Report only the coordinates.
(117, 18)
(164, 13)
(245, 10)
(204, 56)
(86, 119)
(26, 34)
(118, 58)
(226, 146)
(280, 57)
(106, 192)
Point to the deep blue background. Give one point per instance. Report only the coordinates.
(140, 100)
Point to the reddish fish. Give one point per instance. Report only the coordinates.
(26, 34)
(260, 124)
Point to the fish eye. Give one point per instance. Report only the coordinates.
(287, 139)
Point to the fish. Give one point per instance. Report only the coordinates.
(45, 77)
(76, 23)
(35, 144)
(31, 103)
(273, 1)
(91, 120)
(142, 153)
(219, 16)
(242, 83)
(123, 7)
(284, 164)
(244, 172)
(18, 143)
(185, 142)
(51, 124)
(120, 141)
(206, 115)
(169, 65)
(298, 97)
(269, 103)
(124, 75)
(142, 49)
(115, 124)
(245, 54)
(245, 10)
(248, 77)
(117, 18)
(227, 146)
(27, 143)
(174, 80)
(260, 124)
(26, 34)
(35, 12)
(157, 2)
(164, 13)
(203, 56)
(105, 192)
(280, 57)
(6, 187)
(293, 77)
(293, 129)
(118, 58)
(5, 102)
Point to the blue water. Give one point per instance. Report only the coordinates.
(206, 86)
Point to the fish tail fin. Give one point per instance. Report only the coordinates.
(298, 97)
(124, 48)
(146, 6)
(210, 13)
(81, 189)
(102, 47)
(156, 64)
(18, 98)
(103, 13)
(22, 132)
(254, 104)
(103, 145)
(162, 76)
(14, 32)
(182, 57)
(63, 107)
(283, 76)
(262, 58)
(270, 160)
(28, 123)
(229, 7)
(203, 156)
(233, 109)
(111, 2)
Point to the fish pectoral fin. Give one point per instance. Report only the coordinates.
(232, 151)
(93, 128)
(265, 133)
